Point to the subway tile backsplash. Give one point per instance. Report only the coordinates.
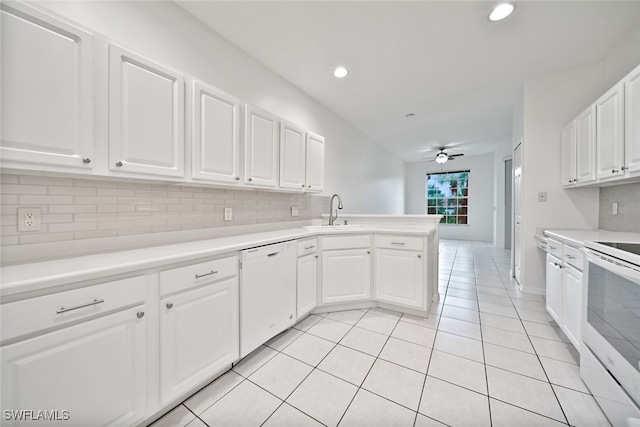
(78, 208)
(628, 198)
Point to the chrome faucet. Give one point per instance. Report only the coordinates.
(331, 216)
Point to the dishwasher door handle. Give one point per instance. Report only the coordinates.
(273, 254)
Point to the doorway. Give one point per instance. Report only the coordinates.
(508, 185)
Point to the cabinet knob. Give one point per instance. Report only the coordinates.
(624, 168)
(614, 170)
(302, 185)
(119, 164)
(308, 186)
(250, 179)
(368, 252)
(140, 314)
(86, 160)
(169, 305)
(237, 178)
(419, 256)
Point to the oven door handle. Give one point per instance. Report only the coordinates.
(615, 266)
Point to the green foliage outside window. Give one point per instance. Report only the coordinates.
(448, 195)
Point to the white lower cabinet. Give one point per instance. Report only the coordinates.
(307, 277)
(554, 287)
(572, 305)
(399, 277)
(346, 273)
(92, 373)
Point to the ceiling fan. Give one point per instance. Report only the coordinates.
(443, 157)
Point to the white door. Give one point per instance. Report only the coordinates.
(586, 146)
(261, 147)
(94, 370)
(632, 122)
(399, 278)
(215, 121)
(610, 134)
(346, 275)
(517, 211)
(292, 156)
(572, 304)
(315, 162)
(146, 116)
(307, 285)
(568, 155)
(554, 288)
(47, 95)
(199, 336)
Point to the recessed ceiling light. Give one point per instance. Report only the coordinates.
(501, 11)
(340, 72)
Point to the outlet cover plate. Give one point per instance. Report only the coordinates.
(29, 219)
(294, 211)
(228, 214)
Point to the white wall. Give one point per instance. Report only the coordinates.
(481, 195)
(368, 177)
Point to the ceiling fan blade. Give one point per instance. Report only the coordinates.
(455, 155)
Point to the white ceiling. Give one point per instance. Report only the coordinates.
(441, 60)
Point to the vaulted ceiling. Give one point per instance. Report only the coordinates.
(443, 61)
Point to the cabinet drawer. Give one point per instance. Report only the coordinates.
(41, 313)
(182, 278)
(573, 256)
(346, 242)
(307, 246)
(399, 242)
(554, 248)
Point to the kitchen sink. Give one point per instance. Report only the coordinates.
(337, 227)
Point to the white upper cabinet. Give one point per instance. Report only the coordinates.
(216, 134)
(610, 134)
(261, 147)
(146, 116)
(292, 156)
(586, 145)
(47, 91)
(632, 122)
(314, 162)
(569, 155)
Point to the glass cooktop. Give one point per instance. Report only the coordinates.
(634, 248)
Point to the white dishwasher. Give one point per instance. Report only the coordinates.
(267, 293)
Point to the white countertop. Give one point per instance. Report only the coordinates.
(578, 237)
(42, 275)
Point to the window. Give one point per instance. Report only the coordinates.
(448, 195)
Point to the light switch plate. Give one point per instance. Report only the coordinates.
(615, 208)
(228, 214)
(29, 219)
(542, 196)
(294, 211)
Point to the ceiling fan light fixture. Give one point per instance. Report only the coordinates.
(501, 11)
(441, 158)
(340, 72)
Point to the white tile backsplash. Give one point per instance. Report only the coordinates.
(628, 198)
(80, 208)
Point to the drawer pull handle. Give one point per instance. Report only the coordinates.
(169, 305)
(88, 304)
(140, 314)
(86, 160)
(398, 243)
(571, 257)
(552, 247)
(206, 274)
(310, 247)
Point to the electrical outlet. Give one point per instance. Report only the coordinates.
(294, 211)
(615, 208)
(228, 214)
(29, 219)
(542, 197)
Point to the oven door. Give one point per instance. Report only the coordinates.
(611, 319)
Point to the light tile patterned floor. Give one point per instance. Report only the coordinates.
(488, 355)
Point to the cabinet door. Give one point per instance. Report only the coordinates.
(260, 148)
(292, 156)
(94, 370)
(572, 305)
(315, 162)
(215, 120)
(199, 336)
(307, 288)
(586, 146)
(346, 275)
(632, 122)
(609, 134)
(569, 155)
(554, 288)
(146, 116)
(399, 278)
(47, 98)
